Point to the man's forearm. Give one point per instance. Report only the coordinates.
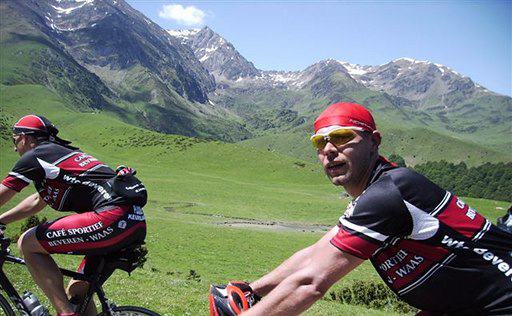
(6, 194)
(27, 207)
(293, 264)
(300, 290)
(268, 282)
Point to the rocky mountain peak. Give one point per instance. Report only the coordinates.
(110, 38)
(416, 80)
(217, 54)
(328, 65)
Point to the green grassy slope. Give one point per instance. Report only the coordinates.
(30, 56)
(196, 190)
(415, 144)
(415, 135)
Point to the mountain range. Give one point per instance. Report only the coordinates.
(103, 55)
(428, 87)
(412, 98)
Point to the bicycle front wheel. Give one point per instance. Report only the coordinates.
(130, 311)
(5, 307)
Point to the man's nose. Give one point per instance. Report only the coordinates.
(330, 149)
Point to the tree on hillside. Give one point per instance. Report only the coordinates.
(399, 160)
(490, 180)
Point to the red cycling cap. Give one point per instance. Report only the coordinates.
(31, 123)
(346, 114)
(40, 126)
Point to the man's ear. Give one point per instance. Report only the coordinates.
(376, 138)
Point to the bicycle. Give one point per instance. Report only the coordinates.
(126, 259)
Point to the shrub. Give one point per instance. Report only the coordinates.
(31, 221)
(371, 294)
(193, 276)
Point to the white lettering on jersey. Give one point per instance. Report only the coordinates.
(496, 261)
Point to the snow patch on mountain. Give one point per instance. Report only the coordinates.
(283, 77)
(442, 68)
(411, 60)
(286, 79)
(68, 10)
(183, 34)
(355, 69)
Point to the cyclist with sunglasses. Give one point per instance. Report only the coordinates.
(432, 249)
(108, 204)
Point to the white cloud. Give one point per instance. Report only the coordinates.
(184, 15)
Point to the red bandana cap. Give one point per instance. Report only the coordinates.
(33, 124)
(347, 115)
(39, 126)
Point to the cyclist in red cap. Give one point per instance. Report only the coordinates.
(109, 214)
(433, 250)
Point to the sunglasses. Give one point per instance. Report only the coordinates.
(336, 137)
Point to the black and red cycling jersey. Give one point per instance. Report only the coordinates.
(67, 179)
(432, 249)
(71, 180)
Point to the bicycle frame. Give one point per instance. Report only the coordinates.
(7, 285)
(94, 281)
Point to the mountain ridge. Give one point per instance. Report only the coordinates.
(103, 55)
(438, 97)
(119, 61)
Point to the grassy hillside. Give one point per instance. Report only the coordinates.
(415, 144)
(283, 120)
(224, 211)
(30, 54)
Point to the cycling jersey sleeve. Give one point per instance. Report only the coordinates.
(374, 218)
(26, 170)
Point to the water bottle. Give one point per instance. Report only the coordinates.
(34, 306)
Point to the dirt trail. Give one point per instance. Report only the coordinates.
(248, 223)
(275, 226)
(179, 205)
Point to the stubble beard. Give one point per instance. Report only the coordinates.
(340, 180)
(353, 175)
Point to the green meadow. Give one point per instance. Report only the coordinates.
(216, 211)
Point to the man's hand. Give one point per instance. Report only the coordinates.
(231, 299)
(123, 170)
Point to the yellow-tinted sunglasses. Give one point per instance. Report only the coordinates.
(337, 137)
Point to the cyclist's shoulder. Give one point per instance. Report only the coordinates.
(408, 180)
(46, 152)
(50, 152)
(404, 185)
(396, 185)
(47, 146)
(404, 174)
(388, 182)
(382, 196)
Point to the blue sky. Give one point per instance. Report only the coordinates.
(472, 37)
